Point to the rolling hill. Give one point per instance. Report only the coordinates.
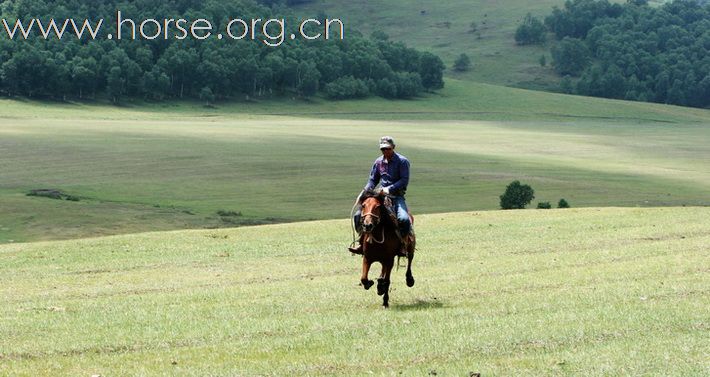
(445, 28)
(552, 292)
(175, 166)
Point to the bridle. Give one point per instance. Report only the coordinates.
(369, 237)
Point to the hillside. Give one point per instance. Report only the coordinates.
(484, 30)
(444, 28)
(175, 166)
(555, 292)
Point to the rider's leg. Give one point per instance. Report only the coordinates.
(402, 216)
(357, 249)
(356, 220)
(405, 224)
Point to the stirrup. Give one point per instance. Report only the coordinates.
(355, 250)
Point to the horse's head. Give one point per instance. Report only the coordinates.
(370, 213)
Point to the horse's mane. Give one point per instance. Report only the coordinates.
(370, 194)
(388, 216)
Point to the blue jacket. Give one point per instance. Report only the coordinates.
(393, 174)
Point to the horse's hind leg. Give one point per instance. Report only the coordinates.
(383, 289)
(410, 277)
(382, 286)
(366, 283)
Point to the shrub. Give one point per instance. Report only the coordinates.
(224, 213)
(530, 32)
(562, 204)
(566, 85)
(544, 205)
(46, 193)
(570, 56)
(463, 63)
(347, 87)
(53, 194)
(386, 88)
(516, 196)
(408, 84)
(207, 95)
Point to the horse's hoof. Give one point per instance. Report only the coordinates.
(410, 281)
(367, 284)
(382, 286)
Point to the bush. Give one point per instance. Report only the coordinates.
(224, 213)
(516, 196)
(463, 63)
(387, 88)
(408, 84)
(566, 85)
(544, 205)
(570, 56)
(347, 87)
(207, 95)
(530, 32)
(53, 194)
(562, 204)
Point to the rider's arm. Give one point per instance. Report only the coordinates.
(403, 177)
(374, 178)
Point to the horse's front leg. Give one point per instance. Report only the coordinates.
(366, 283)
(383, 283)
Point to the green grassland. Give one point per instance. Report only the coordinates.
(612, 291)
(445, 29)
(174, 166)
(459, 100)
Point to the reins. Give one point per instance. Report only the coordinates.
(364, 215)
(352, 213)
(383, 236)
(382, 226)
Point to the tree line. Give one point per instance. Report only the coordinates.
(207, 69)
(629, 51)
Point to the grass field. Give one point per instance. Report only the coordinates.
(444, 28)
(175, 166)
(589, 291)
(593, 290)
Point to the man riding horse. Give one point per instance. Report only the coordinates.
(391, 172)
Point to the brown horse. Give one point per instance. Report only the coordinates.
(380, 243)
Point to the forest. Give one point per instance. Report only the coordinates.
(629, 51)
(209, 70)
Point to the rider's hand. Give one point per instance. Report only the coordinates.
(386, 190)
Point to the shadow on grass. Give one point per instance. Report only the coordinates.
(419, 305)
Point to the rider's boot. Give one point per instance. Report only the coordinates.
(357, 247)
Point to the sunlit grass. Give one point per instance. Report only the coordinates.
(551, 292)
(175, 166)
